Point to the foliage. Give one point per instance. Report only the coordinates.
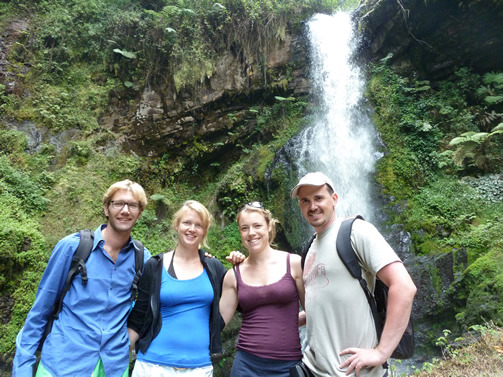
(480, 150)
(154, 232)
(483, 285)
(235, 191)
(478, 353)
(405, 118)
(140, 43)
(473, 150)
(440, 209)
(12, 143)
(223, 241)
(488, 187)
(492, 92)
(19, 185)
(78, 192)
(416, 121)
(420, 123)
(22, 251)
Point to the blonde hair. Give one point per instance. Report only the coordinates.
(201, 210)
(127, 185)
(270, 221)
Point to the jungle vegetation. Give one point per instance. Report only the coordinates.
(443, 140)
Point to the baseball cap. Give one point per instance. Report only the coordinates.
(312, 179)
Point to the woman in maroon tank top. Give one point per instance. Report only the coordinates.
(267, 286)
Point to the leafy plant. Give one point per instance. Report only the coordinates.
(476, 354)
(493, 91)
(488, 187)
(20, 185)
(473, 149)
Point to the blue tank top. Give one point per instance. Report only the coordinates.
(184, 339)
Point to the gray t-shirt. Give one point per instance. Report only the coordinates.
(338, 313)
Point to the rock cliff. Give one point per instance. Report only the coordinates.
(433, 37)
(162, 119)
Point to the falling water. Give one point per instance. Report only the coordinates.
(341, 142)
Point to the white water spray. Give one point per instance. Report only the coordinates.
(341, 140)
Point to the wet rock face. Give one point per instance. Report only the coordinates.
(433, 37)
(159, 119)
(7, 39)
(163, 119)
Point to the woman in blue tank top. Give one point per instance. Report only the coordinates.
(175, 324)
(267, 286)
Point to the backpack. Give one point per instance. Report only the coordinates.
(78, 265)
(379, 300)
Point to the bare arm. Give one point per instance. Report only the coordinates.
(133, 338)
(229, 299)
(296, 269)
(400, 297)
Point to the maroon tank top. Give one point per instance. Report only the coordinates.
(270, 318)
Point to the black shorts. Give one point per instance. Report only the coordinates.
(248, 365)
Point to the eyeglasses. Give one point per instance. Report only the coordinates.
(257, 205)
(254, 205)
(119, 204)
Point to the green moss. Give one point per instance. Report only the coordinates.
(435, 279)
(12, 142)
(390, 179)
(264, 156)
(23, 253)
(483, 284)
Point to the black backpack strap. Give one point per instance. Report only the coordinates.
(305, 250)
(77, 266)
(139, 252)
(348, 257)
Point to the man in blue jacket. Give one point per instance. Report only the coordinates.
(90, 335)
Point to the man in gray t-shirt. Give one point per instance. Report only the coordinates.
(341, 334)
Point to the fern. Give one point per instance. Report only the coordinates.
(471, 146)
(493, 90)
(493, 100)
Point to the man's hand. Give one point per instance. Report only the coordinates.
(235, 257)
(361, 358)
(302, 318)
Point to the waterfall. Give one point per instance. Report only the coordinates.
(341, 141)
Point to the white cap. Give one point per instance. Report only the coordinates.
(312, 179)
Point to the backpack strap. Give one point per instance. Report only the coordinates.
(139, 252)
(77, 266)
(305, 250)
(348, 257)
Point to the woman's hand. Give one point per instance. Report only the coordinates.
(235, 257)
